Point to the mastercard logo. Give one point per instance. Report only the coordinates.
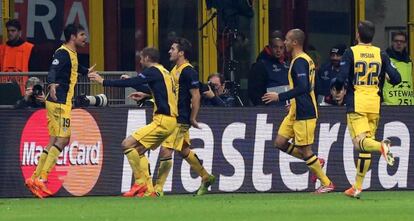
(79, 164)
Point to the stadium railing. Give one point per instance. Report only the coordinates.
(116, 96)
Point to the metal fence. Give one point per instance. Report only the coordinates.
(115, 96)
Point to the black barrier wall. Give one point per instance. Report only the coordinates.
(235, 144)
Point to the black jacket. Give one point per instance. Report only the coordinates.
(30, 103)
(266, 72)
(404, 56)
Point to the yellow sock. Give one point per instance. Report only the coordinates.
(195, 164)
(369, 145)
(293, 151)
(49, 162)
(364, 162)
(315, 167)
(40, 164)
(163, 171)
(134, 161)
(146, 173)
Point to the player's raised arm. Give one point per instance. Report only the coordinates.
(84, 70)
(130, 82)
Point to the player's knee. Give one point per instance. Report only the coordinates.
(52, 141)
(61, 143)
(185, 150)
(306, 151)
(165, 152)
(126, 144)
(357, 142)
(130, 142)
(281, 143)
(141, 149)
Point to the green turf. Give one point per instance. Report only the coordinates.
(390, 206)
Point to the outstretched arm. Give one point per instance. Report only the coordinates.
(84, 70)
(129, 82)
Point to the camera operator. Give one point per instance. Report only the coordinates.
(218, 93)
(34, 96)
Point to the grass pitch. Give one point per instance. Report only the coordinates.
(390, 206)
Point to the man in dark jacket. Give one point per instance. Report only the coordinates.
(328, 71)
(270, 72)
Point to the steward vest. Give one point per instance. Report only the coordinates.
(15, 59)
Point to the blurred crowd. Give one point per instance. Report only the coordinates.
(269, 73)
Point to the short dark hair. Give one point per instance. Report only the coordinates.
(298, 35)
(275, 35)
(366, 31)
(185, 46)
(72, 29)
(14, 23)
(152, 53)
(399, 33)
(274, 41)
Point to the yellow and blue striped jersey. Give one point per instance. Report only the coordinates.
(364, 67)
(161, 85)
(186, 78)
(64, 71)
(301, 94)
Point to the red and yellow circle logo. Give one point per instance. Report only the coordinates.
(79, 164)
